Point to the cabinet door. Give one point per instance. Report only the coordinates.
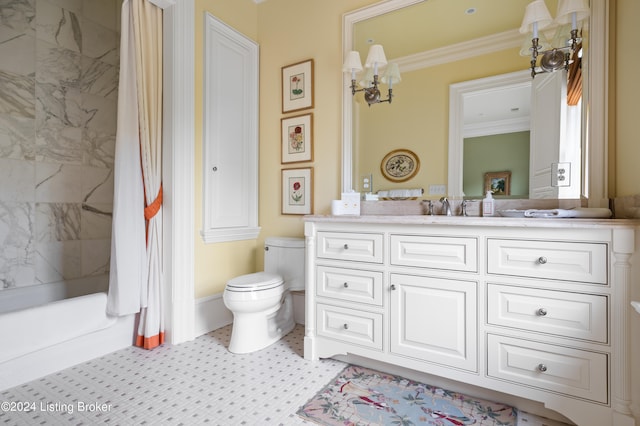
(434, 320)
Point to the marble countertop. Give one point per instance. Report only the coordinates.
(478, 221)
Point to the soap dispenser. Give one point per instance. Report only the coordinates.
(488, 205)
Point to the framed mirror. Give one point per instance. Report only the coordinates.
(594, 178)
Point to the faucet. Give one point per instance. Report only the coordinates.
(464, 207)
(446, 206)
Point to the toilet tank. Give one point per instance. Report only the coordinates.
(285, 256)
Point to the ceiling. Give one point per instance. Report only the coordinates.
(437, 23)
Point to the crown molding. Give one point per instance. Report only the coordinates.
(456, 52)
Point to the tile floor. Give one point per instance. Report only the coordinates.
(197, 382)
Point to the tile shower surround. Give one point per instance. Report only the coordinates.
(58, 98)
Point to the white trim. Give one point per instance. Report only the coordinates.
(178, 179)
(598, 99)
(230, 234)
(211, 314)
(229, 195)
(456, 52)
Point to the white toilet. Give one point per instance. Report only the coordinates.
(261, 303)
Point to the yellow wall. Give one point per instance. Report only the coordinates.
(627, 95)
(291, 31)
(418, 118)
(216, 263)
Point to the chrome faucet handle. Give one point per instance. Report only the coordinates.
(464, 207)
(446, 206)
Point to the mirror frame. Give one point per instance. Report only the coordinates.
(596, 88)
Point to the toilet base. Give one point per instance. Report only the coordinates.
(254, 331)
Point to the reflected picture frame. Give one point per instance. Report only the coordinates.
(297, 191)
(297, 138)
(297, 86)
(498, 182)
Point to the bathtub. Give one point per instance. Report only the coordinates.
(40, 340)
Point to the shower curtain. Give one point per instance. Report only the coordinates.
(135, 282)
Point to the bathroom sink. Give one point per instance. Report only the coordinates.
(577, 213)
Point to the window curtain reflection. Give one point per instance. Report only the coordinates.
(574, 83)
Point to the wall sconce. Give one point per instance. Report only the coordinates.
(537, 18)
(370, 81)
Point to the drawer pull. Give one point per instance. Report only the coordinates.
(393, 287)
(542, 260)
(345, 285)
(346, 246)
(541, 367)
(541, 312)
(346, 327)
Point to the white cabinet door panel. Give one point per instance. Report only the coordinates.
(434, 319)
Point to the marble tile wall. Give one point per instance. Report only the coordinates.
(58, 98)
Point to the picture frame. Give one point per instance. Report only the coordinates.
(498, 182)
(297, 138)
(297, 86)
(297, 191)
(400, 165)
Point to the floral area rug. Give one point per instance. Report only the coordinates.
(360, 396)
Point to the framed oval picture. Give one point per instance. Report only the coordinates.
(400, 165)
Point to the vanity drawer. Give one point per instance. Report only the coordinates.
(350, 246)
(349, 284)
(449, 253)
(554, 368)
(573, 315)
(349, 325)
(583, 262)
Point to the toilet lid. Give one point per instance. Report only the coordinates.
(253, 282)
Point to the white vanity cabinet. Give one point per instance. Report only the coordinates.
(536, 308)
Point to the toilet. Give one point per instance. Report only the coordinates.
(261, 302)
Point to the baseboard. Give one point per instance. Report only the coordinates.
(211, 314)
(298, 306)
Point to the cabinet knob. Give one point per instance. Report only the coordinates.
(393, 287)
(541, 312)
(346, 326)
(542, 367)
(345, 285)
(542, 260)
(346, 246)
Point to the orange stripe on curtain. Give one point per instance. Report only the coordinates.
(150, 342)
(147, 24)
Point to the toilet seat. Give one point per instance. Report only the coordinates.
(258, 281)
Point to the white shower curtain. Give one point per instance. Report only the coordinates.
(135, 283)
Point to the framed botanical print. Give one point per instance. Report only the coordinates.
(497, 182)
(297, 191)
(297, 138)
(297, 86)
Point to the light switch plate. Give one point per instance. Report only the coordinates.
(437, 189)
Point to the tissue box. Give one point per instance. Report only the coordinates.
(351, 203)
(348, 205)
